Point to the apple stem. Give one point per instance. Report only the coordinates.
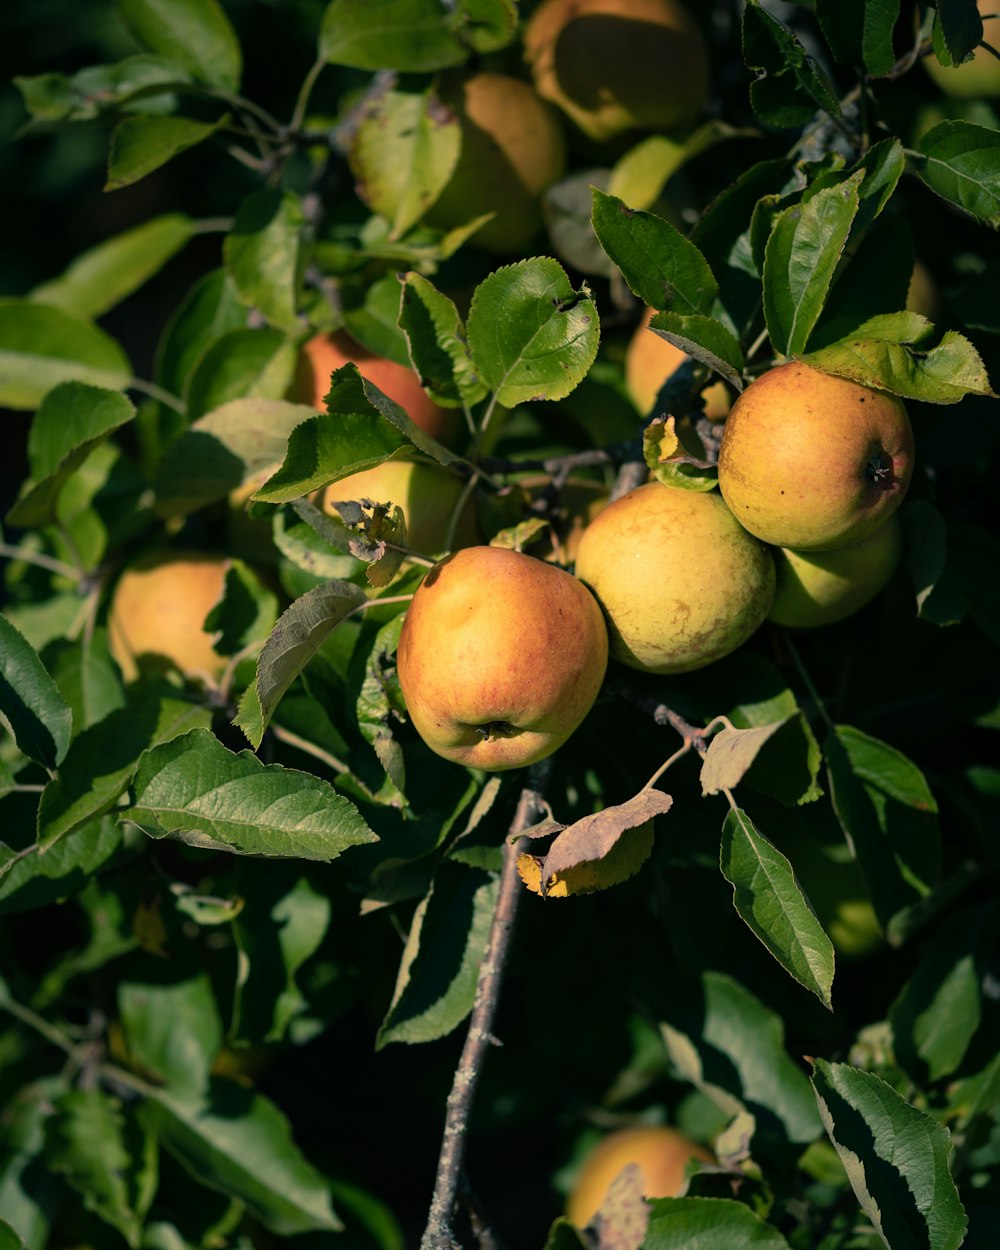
(438, 1235)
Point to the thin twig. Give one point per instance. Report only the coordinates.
(438, 1234)
(9, 552)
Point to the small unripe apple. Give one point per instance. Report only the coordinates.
(500, 658)
(821, 587)
(979, 76)
(513, 147)
(618, 65)
(323, 353)
(661, 1153)
(650, 360)
(813, 461)
(428, 495)
(681, 582)
(158, 611)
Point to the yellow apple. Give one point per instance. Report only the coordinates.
(813, 461)
(618, 65)
(680, 581)
(513, 147)
(661, 1153)
(821, 587)
(428, 495)
(981, 75)
(323, 353)
(157, 613)
(650, 360)
(500, 658)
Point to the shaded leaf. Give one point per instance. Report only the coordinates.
(173, 1030)
(960, 161)
(413, 35)
(30, 701)
(704, 338)
(639, 176)
(261, 253)
(895, 1156)
(241, 363)
(195, 790)
(144, 142)
(300, 632)
(436, 982)
(437, 342)
(789, 86)
(39, 880)
(859, 32)
(731, 754)
(196, 34)
(769, 899)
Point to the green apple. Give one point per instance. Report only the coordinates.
(500, 658)
(513, 147)
(821, 587)
(428, 495)
(618, 65)
(813, 461)
(680, 581)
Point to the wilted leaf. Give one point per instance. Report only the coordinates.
(195, 790)
(300, 632)
(769, 899)
(530, 334)
(675, 455)
(623, 1217)
(731, 753)
(597, 851)
(895, 1156)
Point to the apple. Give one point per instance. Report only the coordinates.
(500, 658)
(323, 353)
(662, 1154)
(157, 613)
(812, 461)
(513, 147)
(618, 65)
(428, 495)
(680, 581)
(821, 587)
(649, 362)
(922, 294)
(979, 76)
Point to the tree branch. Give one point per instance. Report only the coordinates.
(438, 1234)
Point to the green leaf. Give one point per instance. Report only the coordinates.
(223, 450)
(731, 754)
(361, 428)
(802, 253)
(42, 346)
(938, 1012)
(261, 253)
(195, 790)
(889, 818)
(102, 1156)
(727, 1043)
(238, 1142)
(790, 87)
(436, 338)
(194, 33)
(708, 1224)
(379, 702)
(960, 161)
(279, 929)
(859, 32)
(706, 340)
(245, 614)
(139, 83)
(72, 420)
(30, 701)
(242, 363)
(663, 268)
(958, 30)
(40, 880)
(403, 155)
(208, 310)
(770, 900)
(300, 632)
(29, 1192)
(101, 761)
(143, 143)
(104, 275)
(436, 983)
(530, 334)
(173, 1030)
(411, 36)
(890, 353)
(895, 1156)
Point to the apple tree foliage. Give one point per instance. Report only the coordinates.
(228, 916)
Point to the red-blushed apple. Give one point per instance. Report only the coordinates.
(618, 65)
(661, 1154)
(822, 587)
(157, 614)
(500, 658)
(813, 461)
(680, 581)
